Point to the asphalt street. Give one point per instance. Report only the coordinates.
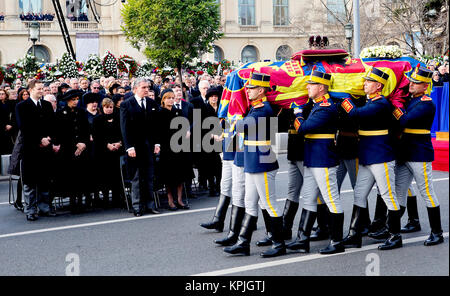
(114, 242)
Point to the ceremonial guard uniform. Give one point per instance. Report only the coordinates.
(320, 162)
(260, 167)
(217, 222)
(376, 161)
(417, 151)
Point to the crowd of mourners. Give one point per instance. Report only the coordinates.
(87, 125)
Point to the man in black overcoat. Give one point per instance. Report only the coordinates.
(36, 121)
(138, 125)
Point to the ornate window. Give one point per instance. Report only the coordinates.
(280, 12)
(77, 10)
(30, 6)
(336, 8)
(249, 54)
(41, 53)
(284, 53)
(218, 54)
(247, 12)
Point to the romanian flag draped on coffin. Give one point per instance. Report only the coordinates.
(288, 79)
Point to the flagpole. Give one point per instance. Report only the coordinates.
(356, 29)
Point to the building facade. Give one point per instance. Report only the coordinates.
(254, 30)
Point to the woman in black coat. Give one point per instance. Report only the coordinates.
(72, 136)
(108, 149)
(173, 165)
(7, 128)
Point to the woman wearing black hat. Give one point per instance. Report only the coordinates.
(172, 165)
(73, 136)
(62, 89)
(213, 158)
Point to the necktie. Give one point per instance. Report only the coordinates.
(39, 104)
(178, 106)
(142, 104)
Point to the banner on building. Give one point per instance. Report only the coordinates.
(87, 43)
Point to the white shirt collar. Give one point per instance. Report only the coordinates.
(34, 101)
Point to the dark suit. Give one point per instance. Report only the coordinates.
(139, 131)
(35, 124)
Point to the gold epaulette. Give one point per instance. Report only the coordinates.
(426, 98)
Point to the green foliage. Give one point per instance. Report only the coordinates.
(172, 32)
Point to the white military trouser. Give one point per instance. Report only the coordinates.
(422, 173)
(349, 166)
(226, 182)
(238, 186)
(383, 174)
(295, 180)
(321, 182)
(260, 189)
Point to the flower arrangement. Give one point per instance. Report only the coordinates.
(10, 73)
(48, 71)
(127, 64)
(109, 63)
(145, 69)
(388, 52)
(429, 60)
(27, 66)
(93, 67)
(67, 66)
(2, 75)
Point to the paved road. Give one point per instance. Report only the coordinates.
(113, 242)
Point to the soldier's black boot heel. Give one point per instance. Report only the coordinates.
(436, 237)
(278, 247)
(290, 209)
(395, 239)
(242, 246)
(336, 244)
(354, 237)
(413, 224)
(378, 224)
(217, 222)
(237, 214)
(301, 243)
(322, 230)
(267, 241)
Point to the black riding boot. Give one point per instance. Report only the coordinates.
(385, 233)
(237, 214)
(301, 242)
(217, 222)
(322, 230)
(413, 224)
(278, 248)
(365, 220)
(336, 244)
(267, 241)
(245, 236)
(354, 237)
(434, 216)
(290, 209)
(395, 239)
(379, 220)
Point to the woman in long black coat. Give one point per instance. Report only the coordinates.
(173, 165)
(6, 123)
(72, 136)
(108, 149)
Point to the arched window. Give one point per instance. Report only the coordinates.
(30, 6)
(284, 53)
(218, 54)
(41, 53)
(249, 54)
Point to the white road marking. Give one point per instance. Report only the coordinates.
(124, 220)
(102, 223)
(301, 258)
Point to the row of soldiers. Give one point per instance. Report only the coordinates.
(375, 143)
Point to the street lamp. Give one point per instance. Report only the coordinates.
(349, 35)
(34, 33)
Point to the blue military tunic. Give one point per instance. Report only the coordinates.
(319, 131)
(228, 146)
(257, 147)
(415, 142)
(375, 120)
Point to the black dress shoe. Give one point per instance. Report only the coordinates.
(183, 207)
(153, 211)
(31, 217)
(47, 214)
(173, 208)
(138, 213)
(18, 206)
